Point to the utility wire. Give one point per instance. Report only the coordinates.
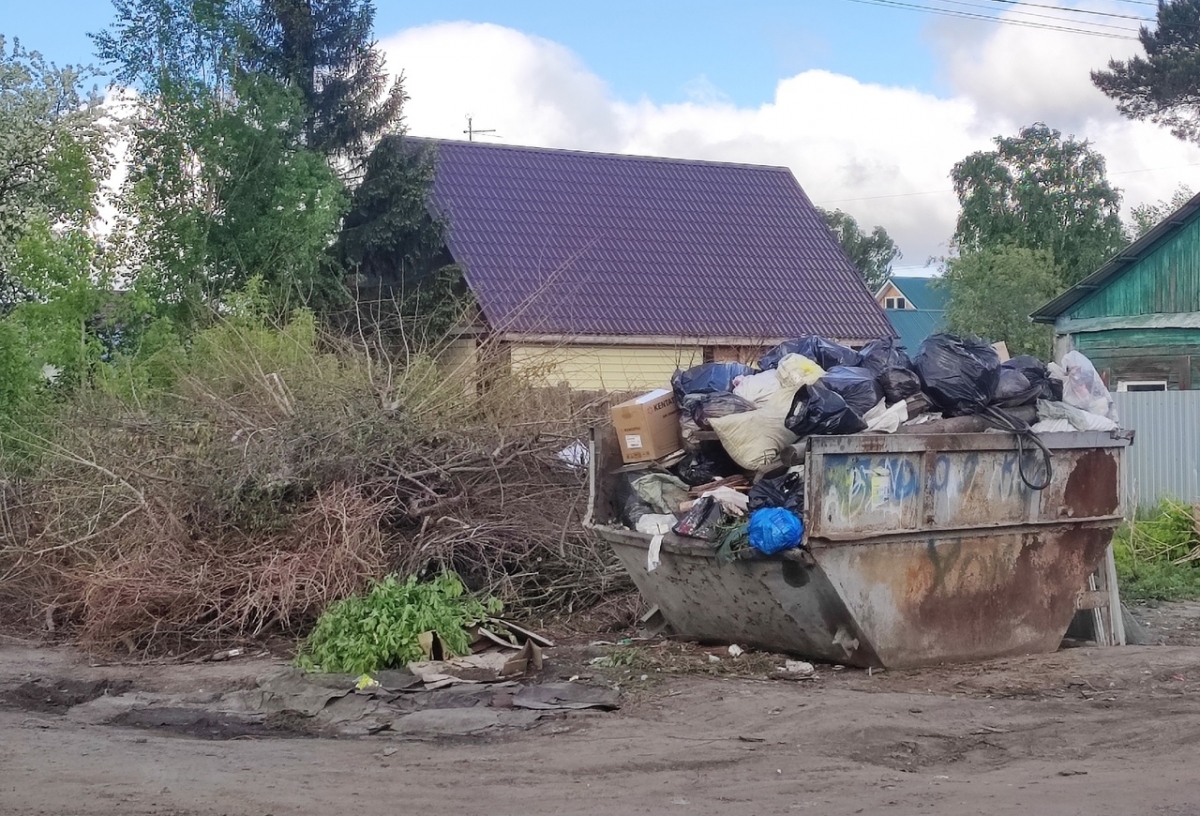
(989, 18)
(1123, 28)
(1074, 10)
(943, 192)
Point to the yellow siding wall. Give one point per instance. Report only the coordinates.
(604, 368)
(459, 354)
(460, 359)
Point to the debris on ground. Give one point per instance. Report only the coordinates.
(291, 702)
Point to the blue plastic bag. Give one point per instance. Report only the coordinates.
(774, 529)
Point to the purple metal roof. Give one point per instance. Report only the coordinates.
(561, 242)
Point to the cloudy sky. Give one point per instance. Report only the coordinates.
(869, 102)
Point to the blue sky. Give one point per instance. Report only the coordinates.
(654, 48)
(869, 105)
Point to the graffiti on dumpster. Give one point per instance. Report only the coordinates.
(958, 568)
(857, 484)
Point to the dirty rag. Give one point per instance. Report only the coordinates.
(661, 491)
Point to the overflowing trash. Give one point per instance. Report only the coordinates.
(735, 478)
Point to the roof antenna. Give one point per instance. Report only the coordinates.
(471, 130)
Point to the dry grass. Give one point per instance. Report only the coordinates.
(281, 471)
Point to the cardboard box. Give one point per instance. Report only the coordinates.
(648, 427)
(1002, 349)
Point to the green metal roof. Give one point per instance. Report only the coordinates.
(921, 292)
(1121, 262)
(914, 325)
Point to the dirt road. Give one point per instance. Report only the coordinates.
(1084, 731)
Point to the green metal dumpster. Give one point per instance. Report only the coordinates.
(918, 550)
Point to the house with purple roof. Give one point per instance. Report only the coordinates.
(608, 272)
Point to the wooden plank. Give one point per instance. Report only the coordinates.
(1092, 599)
(1117, 620)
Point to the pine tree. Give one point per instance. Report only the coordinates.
(323, 48)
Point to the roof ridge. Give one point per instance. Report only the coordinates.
(603, 154)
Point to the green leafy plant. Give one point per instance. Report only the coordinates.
(733, 540)
(366, 633)
(1158, 554)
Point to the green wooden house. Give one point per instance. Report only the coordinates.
(1138, 316)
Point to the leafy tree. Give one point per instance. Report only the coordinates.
(1163, 86)
(221, 188)
(52, 150)
(323, 48)
(1040, 191)
(1148, 216)
(175, 49)
(994, 290)
(872, 255)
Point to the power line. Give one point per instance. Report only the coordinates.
(942, 192)
(1123, 28)
(945, 12)
(1074, 10)
(877, 197)
(989, 18)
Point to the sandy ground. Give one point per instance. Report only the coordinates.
(1083, 731)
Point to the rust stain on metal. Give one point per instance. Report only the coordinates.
(1092, 487)
(874, 444)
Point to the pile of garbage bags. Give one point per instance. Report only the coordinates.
(738, 421)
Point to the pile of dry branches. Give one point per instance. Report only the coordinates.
(279, 473)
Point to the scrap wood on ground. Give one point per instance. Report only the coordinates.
(274, 478)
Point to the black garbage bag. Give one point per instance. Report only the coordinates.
(708, 378)
(856, 385)
(1037, 374)
(1014, 389)
(899, 384)
(893, 369)
(704, 407)
(786, 491)
(960, 374)
(627, 504)
(707, 463)
(818, 410)
(883, 354)
(824, 353)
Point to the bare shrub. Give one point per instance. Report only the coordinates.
(283, 470)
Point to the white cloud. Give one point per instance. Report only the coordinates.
(530, 90)
(1022, 74)
(882, 153)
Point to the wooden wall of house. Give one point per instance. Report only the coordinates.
(1139, 355)
(1166, 280)
(734, 354)
(890, 291)
(604, 368)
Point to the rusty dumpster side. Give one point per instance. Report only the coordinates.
(919, 550)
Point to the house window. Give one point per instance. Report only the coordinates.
(1142, 385)
(896, 303)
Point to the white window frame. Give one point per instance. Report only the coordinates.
(1123, 385)
(895, 302)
